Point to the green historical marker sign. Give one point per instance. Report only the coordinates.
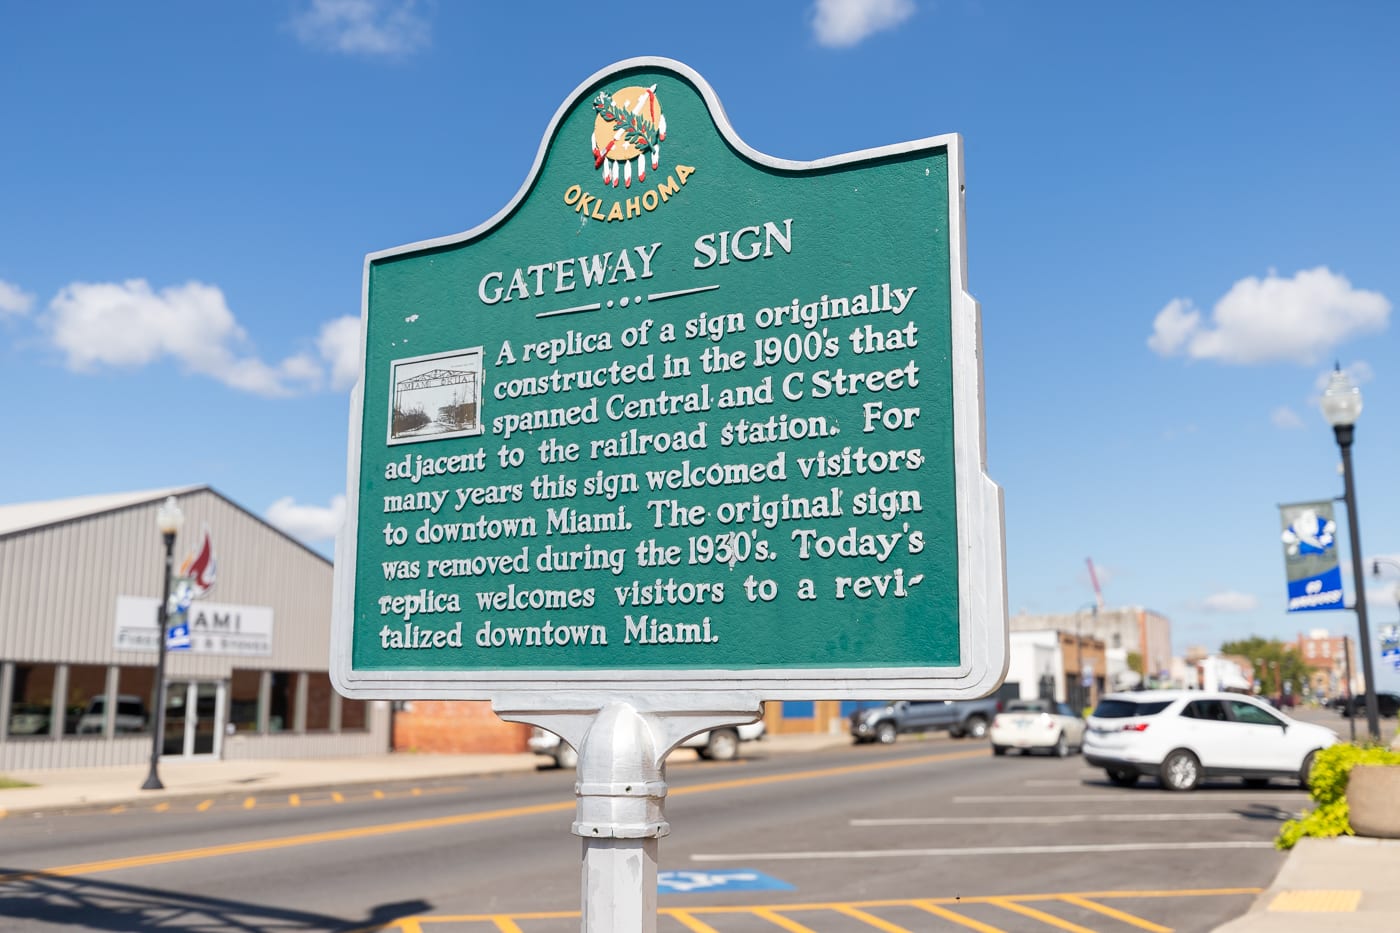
(681, 416)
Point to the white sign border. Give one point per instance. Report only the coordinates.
(982, 598)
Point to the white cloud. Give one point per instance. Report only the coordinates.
(130, 324)
(1286, 418)
(339, 343)
(1272, 319)
(363, 27)
(13, 300)
(307, 522)
(843, 23)
(1229, 601)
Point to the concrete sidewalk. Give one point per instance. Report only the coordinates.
(76, 788)
(1347, 884)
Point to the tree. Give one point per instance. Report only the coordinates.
(1275, 663)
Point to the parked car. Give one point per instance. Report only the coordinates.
(717, 744)
(29, 719)
(1182, 737)
(1029, 725)
(1387, 705)
(885, 722)
(130, 715)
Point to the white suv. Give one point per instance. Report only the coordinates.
(1184, 736)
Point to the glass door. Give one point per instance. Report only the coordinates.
(205, 730)
(193, 718)
(177, 695)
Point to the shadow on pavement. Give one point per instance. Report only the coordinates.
(83, 904)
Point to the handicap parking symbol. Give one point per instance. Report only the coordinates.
(708, 882)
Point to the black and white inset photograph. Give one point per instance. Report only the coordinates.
(436, 396)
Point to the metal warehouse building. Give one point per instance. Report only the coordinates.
(80, 585)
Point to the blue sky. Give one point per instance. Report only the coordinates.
(1179, 216)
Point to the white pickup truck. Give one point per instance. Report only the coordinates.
(715, 745)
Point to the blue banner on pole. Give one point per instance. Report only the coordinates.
(1310, 557)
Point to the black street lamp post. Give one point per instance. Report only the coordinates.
(169, 518)
(1341, 405)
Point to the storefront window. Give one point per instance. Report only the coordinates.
(31, 701)
(85, 703)
(318, 702)
(243, 700)
(352, 715)
(282, 702)
(136, 685)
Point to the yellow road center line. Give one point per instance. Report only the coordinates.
(825, 772)
(1040, 915)
(378, 795)
(204, 805)
(294, 800)
(249, 803)
(957, 918)
(417, 792)
(4, 813)
(387, 829)
(337, 796)
(161, 807)
(119, 808)
(287, 842)
(1116, 914)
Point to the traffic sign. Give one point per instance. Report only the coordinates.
(681, 416)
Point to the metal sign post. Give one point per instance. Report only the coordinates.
(682, 429)
(621, 791)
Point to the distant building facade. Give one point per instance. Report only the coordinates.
(80, 585)
(1122, 631)
(1326, 656)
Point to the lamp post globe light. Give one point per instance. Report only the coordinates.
(169, 518)
(1341, 406)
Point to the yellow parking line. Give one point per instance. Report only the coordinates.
(119, 808)
(204, 805)
(947, 914)
(777, 919)
(690, 923)
(4, 813)
(506, 925)
(337, 796)
(1040, 915)
(161, 807)
(378, 795)
(249, 803)
(1116, 914)
(294, 800)
(871, 920)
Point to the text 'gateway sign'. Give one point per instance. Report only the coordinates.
(680, 416)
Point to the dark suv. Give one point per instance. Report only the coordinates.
(1387, 704)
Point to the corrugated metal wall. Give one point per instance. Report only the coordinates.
(58, 595)
(59, 587)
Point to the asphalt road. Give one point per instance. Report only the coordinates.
(923, 835)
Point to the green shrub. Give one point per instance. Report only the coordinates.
(1327, 785)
